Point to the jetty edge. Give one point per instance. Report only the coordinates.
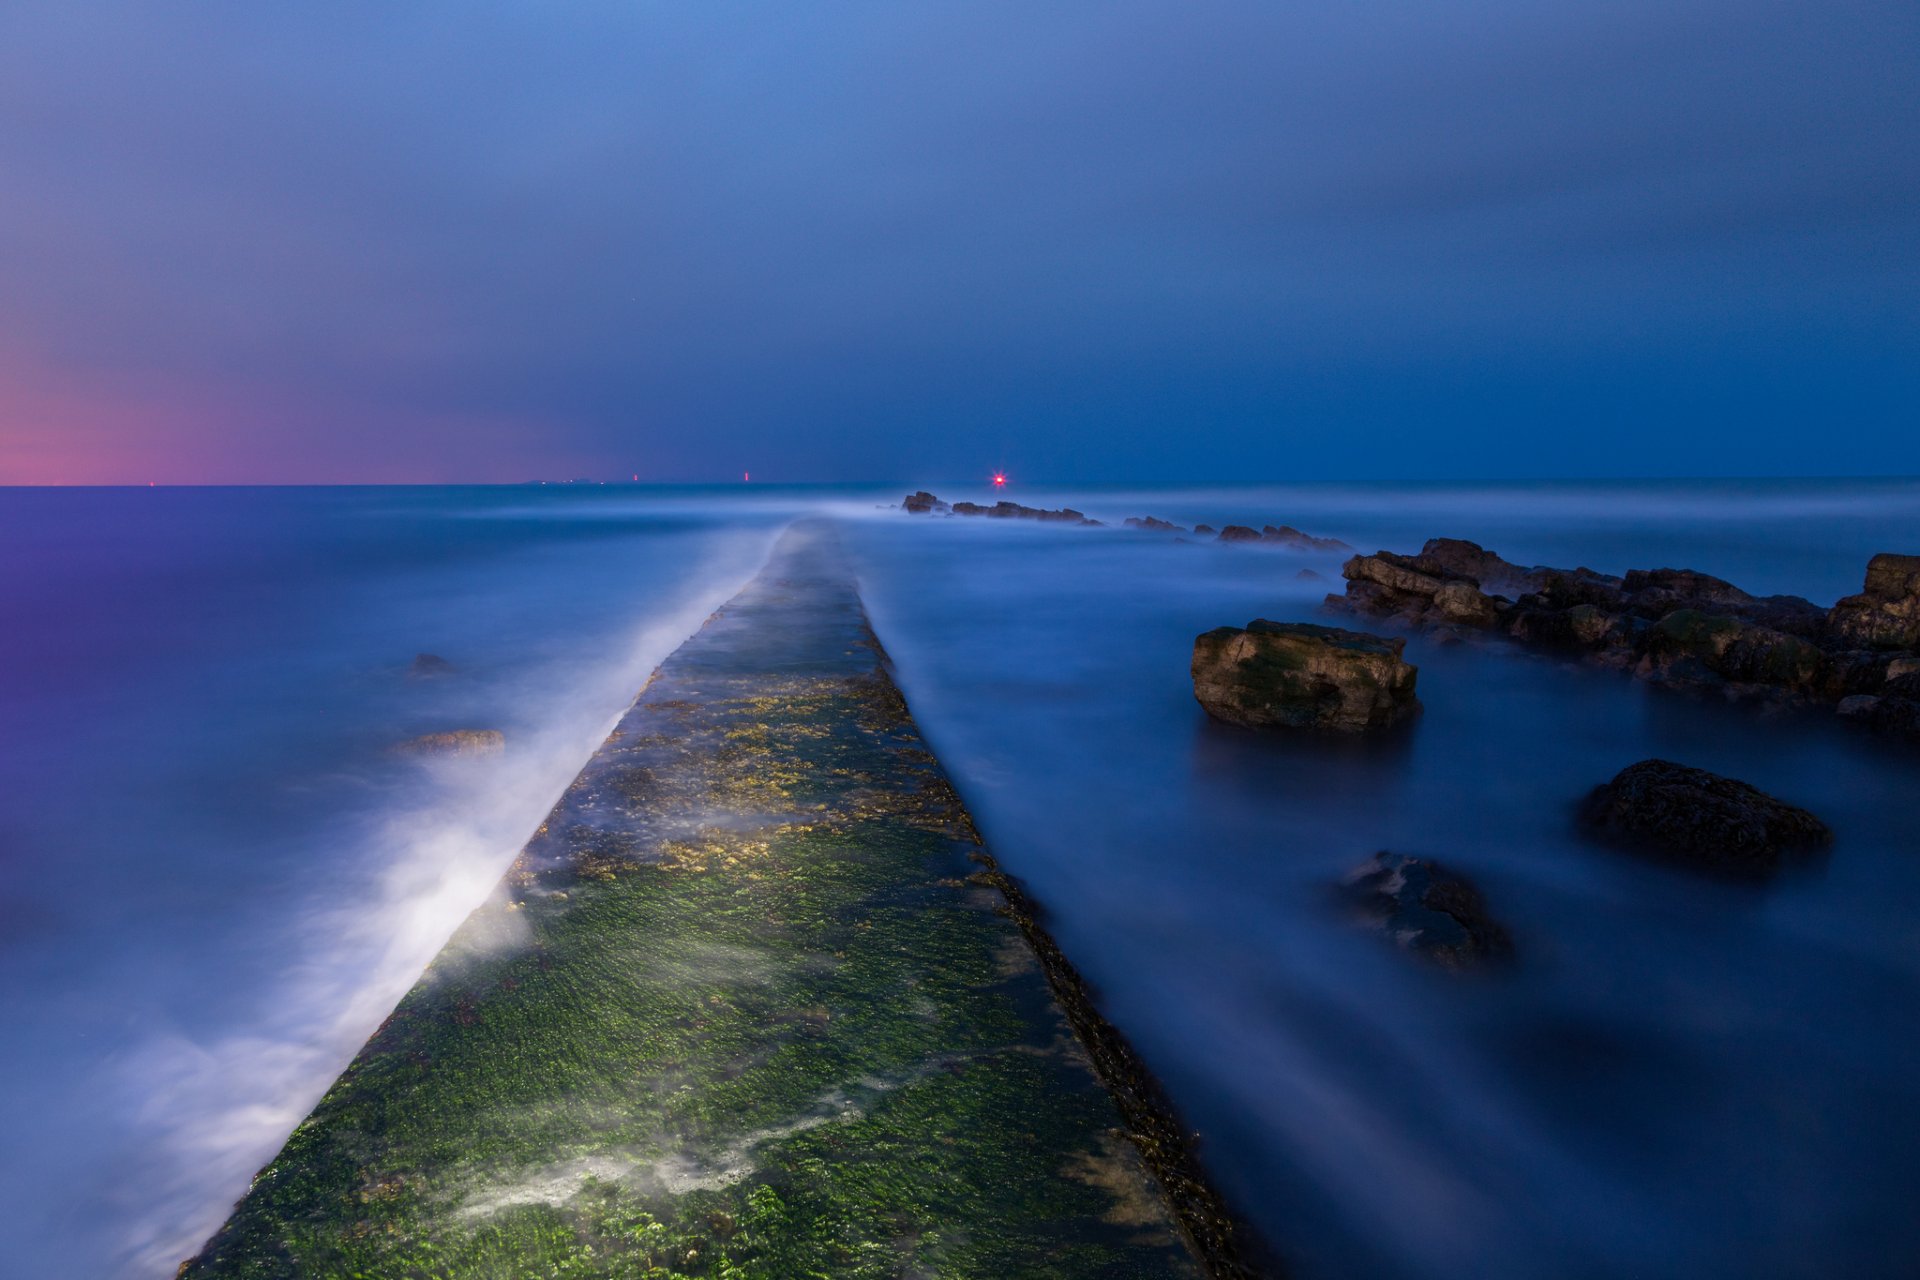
(753, 1002)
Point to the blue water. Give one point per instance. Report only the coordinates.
(216, 877)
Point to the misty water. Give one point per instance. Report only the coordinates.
(216, 876)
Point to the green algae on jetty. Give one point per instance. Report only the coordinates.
(746, 1006)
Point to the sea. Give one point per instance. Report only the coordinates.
(218, 874)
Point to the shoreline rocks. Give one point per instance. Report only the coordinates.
(1300, 675)
(1703, 820)
(924, 503)
(1675, 627)
(1428, 909)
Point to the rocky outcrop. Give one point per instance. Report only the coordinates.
(1302, 676)
(1288, 536)
(1886, 614)
(1014, 511)
(924, 503)
(1702, 819)
(1425, 908)
(1676, 627)
(456, 742)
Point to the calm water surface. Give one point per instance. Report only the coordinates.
(215, 876)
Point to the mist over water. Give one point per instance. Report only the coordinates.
(216, 877)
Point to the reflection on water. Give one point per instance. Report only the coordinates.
(215, 878)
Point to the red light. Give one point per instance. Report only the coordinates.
(999, 479)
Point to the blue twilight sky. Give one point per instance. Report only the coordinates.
(1091, 242)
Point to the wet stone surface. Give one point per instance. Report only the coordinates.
(736, 1010)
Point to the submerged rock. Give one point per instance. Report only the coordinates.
(1153, 524)
(1428, 909)
(1239, 533)
(1303, 676)
(1886, 613)
(426, 666)
(1702, 819)
(1204, 528)
(456, 742)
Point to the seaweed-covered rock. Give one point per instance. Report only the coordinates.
(1702, 819)
(1428, 909)
(1886, 613)
(1303, 676)
(456, 742)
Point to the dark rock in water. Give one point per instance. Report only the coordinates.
(1428, 909)
(456, 742)
(1886, 614)
(1703, 819)
(1288, 536)
(1156, 525)
(428, 665)
(1239, 533)
(1203, 528)
(1014, 511)
(1299, 675)
(923, 503)
(1308, 575)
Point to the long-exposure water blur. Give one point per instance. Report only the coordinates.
(217, 874)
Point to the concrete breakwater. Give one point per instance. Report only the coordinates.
(753, 1002)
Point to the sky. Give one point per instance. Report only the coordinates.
(1089, 243)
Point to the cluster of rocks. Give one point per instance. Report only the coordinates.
(1276, 535)
(1304, 676)
(924, 503)
(1699, 820)
(1673, 626)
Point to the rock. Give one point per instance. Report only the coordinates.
(456, 742)
(1418, 589)
(1308, 575)
(1239, 533)
(426, 666)
(1303, 676)
(1288, 536)
(1703, 820)
(1149, 522)
(1203, 528)
(1886, 614)
(923, 503)
(1675, 627)
(1428, 909)
(1014, 511)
